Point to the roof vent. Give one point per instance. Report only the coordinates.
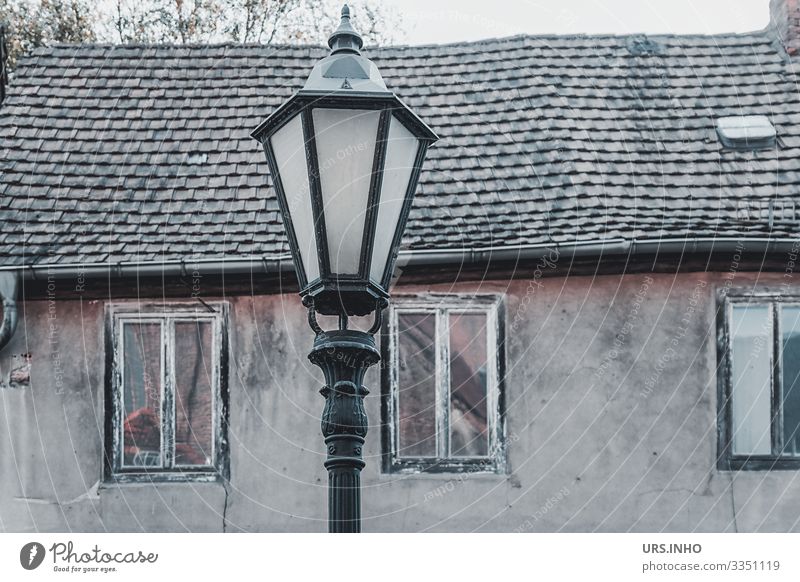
(641, 45)
(746, 132)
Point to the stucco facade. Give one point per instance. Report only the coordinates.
(610, 419)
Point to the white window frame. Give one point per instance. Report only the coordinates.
(442, 305)
(775, 300)
(165, 314)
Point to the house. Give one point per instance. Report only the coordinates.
(594, 325)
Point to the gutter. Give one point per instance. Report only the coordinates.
(11, 275)
(411, 258)
(184, 268)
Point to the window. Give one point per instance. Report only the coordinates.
(746, 132)
(167, 403)
(760, 382)
(442, 395)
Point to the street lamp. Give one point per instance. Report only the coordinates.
(345, 155)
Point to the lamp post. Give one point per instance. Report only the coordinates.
(345, 155)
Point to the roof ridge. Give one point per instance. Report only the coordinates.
(492, 40)
(171, 45)
(583, 35)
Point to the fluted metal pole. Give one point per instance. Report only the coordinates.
(344, 357)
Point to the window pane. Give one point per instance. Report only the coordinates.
(790, 366)
(469, 435)
(194, 395)
(416, 338)
(141, 388)
(751, 329)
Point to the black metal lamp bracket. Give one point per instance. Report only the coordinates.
(344, 355)
(343, 319)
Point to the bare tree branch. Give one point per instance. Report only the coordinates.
(34, 23)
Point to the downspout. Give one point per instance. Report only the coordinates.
(9, 282)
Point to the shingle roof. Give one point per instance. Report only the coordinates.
(116, 153)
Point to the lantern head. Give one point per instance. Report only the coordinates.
(345, 156)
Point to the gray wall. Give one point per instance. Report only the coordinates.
(608, 428)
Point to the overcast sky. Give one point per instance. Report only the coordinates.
(438, 21)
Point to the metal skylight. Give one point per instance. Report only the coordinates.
(746, 132)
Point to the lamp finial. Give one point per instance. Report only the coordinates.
(345, 39)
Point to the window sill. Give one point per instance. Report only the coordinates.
(444, 467)
(760, 463)
(187, 477)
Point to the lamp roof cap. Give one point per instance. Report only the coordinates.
(345, 39)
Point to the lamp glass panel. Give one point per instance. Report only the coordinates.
(288, 146)
(345, 140)
(401, 153)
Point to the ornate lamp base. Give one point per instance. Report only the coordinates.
(344, 357)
